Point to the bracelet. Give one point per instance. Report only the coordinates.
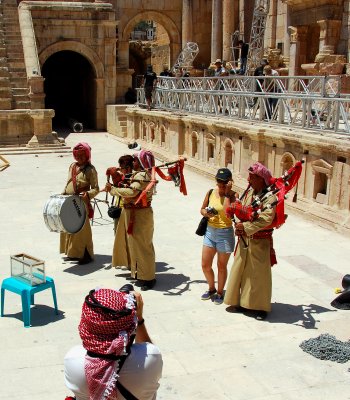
(140, 322)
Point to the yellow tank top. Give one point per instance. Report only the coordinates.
(220, 220)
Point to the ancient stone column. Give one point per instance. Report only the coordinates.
(42, 128)
(187, 22)
(228, 27)
(298, 48)
(216, 30)
(286, 47)
(329, 37)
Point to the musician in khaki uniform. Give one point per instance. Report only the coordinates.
(82, 180)
(250, 281)
(136, 226)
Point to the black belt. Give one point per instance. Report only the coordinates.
(104, 356)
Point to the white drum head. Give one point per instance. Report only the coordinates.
(64, 213)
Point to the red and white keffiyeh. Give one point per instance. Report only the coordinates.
(102, 333)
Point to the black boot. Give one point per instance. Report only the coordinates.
(147, 285)
(86, 259)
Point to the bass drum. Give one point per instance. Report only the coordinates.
(64, 213)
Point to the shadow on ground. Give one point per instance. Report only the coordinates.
(82, 270)
(171, 284)
(40, 315)
(303, 315)
(300, 315)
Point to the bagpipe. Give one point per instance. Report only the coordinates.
(174, 173)
(278, 187)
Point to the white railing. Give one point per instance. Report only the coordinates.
(307, 102)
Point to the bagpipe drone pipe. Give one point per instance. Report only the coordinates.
(278, 187)
(174, 173)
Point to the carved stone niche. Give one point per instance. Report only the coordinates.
(322, 172)
(275, 58)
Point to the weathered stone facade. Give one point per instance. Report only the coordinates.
(209, 143)
(77, 60)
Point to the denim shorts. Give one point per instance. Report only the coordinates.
(221, 239)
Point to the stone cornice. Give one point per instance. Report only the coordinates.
(65, 6)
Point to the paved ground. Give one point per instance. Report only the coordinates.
(208, 353)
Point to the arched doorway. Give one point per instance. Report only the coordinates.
(70, 88)
(166, 36)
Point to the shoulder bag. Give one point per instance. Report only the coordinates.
(203, 223)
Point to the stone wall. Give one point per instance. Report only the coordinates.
(210, 143)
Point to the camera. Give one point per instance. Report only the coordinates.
(211, 210)
(127, 288)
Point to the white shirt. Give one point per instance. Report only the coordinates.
(140, 373)
(220, 71)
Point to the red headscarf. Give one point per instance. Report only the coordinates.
(104, 333)
(260, 170)
(82, 146)
(146, 158)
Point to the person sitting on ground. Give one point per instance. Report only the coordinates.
(109, 364)
(218, 238)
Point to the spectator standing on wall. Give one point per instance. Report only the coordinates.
(271, 87)
(244, 55)
(149, 83)
(259, 71)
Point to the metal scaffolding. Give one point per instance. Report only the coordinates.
(313, 102)
(235, 37)
(186, 57)
(256, 44)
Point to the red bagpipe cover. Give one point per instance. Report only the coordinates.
(176, 169)
(115, 174)
(284, 184)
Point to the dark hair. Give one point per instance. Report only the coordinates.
(126, 161)
(222, 181)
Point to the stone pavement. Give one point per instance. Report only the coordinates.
(208, 353)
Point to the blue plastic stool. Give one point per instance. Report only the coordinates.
(27, 293)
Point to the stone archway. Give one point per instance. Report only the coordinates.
(228, 153)
(160, 18)
(74, 84)
(287, 161)
(194, 144)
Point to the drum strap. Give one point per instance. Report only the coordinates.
(75, 172)
(74, 178)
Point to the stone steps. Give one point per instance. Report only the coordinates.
(14, 66)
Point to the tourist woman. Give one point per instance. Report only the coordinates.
(219, 237)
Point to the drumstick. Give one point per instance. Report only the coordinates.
(106, 200)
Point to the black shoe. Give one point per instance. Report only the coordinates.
(147, 285)
(71, 259)
(234, 309)
(261, 315)
(86, 259)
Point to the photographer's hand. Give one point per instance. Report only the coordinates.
(141, 331)
(139, 305)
